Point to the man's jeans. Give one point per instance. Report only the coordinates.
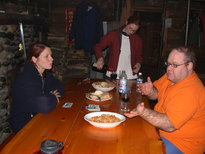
(170, 148)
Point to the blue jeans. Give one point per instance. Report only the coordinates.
(170, 148)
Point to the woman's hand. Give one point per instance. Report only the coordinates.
(136, 111)
(136, 68)
(100, 63)
(57, 94)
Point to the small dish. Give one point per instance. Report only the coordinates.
(94, 97)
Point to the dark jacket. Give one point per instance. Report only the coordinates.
(87, 27)
(31, 94)
(112, 40)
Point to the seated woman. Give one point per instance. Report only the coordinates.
(35, 89)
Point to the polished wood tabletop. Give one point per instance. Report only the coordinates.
(134, 135)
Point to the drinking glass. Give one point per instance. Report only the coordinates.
(125, 97)
(113, 75)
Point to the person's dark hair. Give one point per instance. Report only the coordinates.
(189, 53)
(134, 19)
(35, 50)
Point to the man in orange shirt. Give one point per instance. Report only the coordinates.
(180, 111)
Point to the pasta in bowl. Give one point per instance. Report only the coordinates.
(104, 119)
(103, 86)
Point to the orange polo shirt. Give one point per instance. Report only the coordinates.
(184, 104)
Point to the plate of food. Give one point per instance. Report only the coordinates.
(103, 86)
(98, 96)
(104, 119)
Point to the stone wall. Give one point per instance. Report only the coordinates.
(11, 62)
(68, 62)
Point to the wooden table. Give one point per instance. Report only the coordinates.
(134, 136)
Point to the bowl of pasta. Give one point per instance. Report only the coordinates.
(103, 86)
(104, 119)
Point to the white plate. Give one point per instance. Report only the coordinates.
(104, 125)
(87, 96)
(100, 87)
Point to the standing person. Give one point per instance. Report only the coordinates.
(180, 111)
(125, 49)
(35, 89)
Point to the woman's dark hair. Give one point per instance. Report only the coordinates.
(134, 19)
(35, 50)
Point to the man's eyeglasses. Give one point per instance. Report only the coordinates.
(174, 65)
